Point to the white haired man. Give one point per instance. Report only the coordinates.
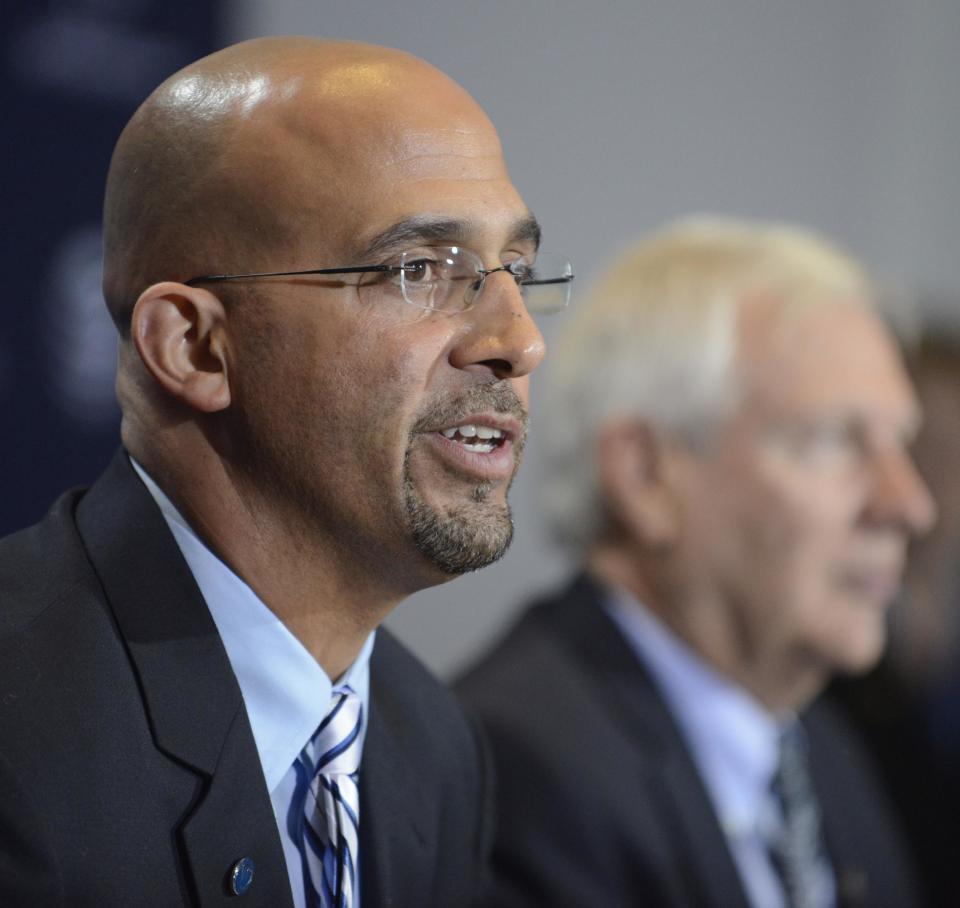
(731, 467)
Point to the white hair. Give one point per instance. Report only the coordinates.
(656, 340)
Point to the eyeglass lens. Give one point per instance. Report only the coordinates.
(451, 278)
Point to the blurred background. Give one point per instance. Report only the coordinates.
(842, 116)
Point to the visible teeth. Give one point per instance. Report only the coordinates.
(481, 433)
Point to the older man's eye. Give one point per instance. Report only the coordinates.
(831, 444)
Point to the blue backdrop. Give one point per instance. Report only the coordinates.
(73, 73)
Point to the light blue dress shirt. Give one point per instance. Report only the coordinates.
(285, 691)
(734, 743)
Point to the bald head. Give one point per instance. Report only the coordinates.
(234, 162)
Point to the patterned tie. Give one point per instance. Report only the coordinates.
(325, 812)
(797, 851)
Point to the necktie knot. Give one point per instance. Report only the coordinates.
(335, 745)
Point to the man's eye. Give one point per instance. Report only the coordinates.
(829, 439)
(831, 445)
(523, 270)
(419, 271)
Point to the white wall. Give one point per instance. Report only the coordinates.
(840, 114)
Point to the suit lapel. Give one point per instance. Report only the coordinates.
(395, 838)
(685, 812)
(191, 697)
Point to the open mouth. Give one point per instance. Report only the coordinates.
(478, 446)
(478, 439)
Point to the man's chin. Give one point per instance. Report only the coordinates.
(467, 538)
(861, 650)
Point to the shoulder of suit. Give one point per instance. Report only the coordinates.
(540, 652)
(396, 673)
(41, 566)
(418, 709)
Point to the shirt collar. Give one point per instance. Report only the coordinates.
(732, 737)
(285, 691)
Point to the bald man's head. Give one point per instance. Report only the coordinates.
(234, 162)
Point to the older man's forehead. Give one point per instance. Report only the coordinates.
(832, 360)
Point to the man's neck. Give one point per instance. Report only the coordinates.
(782, 680)
(330, 609)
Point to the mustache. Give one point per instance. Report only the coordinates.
(498, 396)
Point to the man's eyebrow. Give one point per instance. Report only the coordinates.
(413, 230)
(526, 230)
(426, 229)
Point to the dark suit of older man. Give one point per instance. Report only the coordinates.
(599, 799)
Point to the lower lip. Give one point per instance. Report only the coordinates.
(498, 464)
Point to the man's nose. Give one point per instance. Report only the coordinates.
(899, 492)
(501, 336)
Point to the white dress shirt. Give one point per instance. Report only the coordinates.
(734, 743)
(285, 691)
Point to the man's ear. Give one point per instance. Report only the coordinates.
(179, 332)
(636, 475)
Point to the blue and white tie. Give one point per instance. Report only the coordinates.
(327, 774)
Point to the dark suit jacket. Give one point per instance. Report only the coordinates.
(128, 771)
(599, 801)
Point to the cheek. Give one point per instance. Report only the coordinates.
(345, 384)
(383, 386)
(794, 506)
(785, 538)
(338, 386)
(366, 362)
(804, 547)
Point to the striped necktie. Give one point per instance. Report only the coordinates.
(326, 807)
(798, 852)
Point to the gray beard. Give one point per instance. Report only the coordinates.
(466, 539)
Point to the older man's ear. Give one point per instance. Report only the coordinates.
(636, 474)
(180, 333)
